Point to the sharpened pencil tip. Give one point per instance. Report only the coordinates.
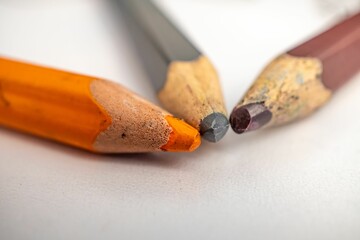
(183, 138)
(214, 127)
(249, 117)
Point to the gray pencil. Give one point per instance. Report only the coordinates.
(186, 82)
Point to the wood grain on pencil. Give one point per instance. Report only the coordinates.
(300, 81)
(185, 80)
(86, 112)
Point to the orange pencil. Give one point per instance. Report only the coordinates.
(86, 112)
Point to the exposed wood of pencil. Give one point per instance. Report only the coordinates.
(86, 112)
(297, 83)
(187, 83)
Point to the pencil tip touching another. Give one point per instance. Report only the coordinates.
(214, 127)
(249, 117)
(183, 138)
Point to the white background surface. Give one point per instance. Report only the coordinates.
(300, 181)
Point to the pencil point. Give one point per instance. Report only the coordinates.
(249, 117)
(183, 138)
(214, 127)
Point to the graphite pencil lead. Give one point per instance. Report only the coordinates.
(249, 117)
(214, 126)
(298, 82)
(185, 80)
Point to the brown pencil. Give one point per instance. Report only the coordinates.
(86, 112)
(300, 81)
